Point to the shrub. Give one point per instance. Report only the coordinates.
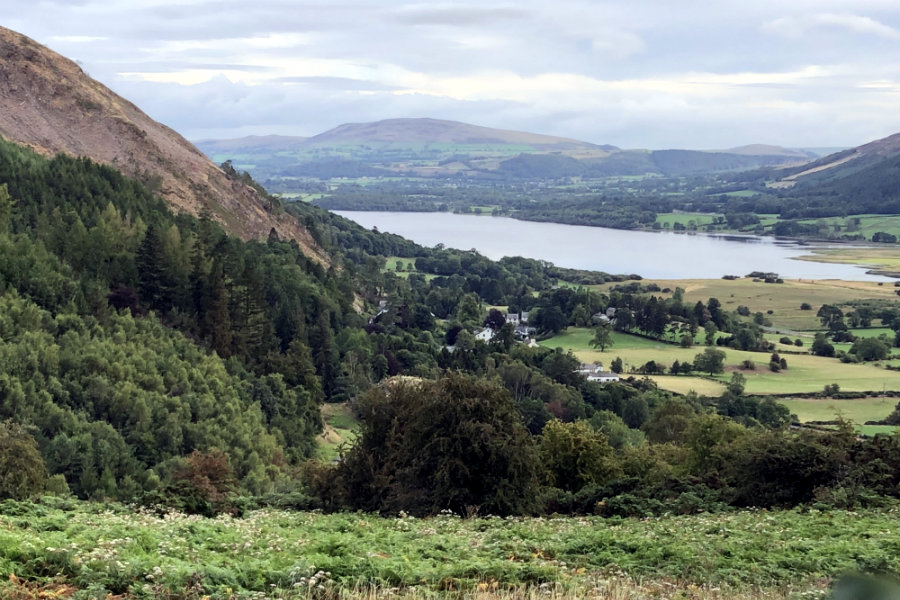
(204, 484)
(821, 347)
(869, 349)
(781, 468)
(574, 455)
(22, 470)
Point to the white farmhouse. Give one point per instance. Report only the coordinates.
(485, 335)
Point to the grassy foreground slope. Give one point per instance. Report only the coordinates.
(113, 549)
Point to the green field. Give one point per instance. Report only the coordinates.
(863, 225)
(408, 266)
(858, 410)
(805, 373)
(873, 430)
(486, 209)
(867, 225)
(783, 299)
(114, 551)
(683, 384)
(341, 426)
(686, 219)
(805, 337)
(885, 258)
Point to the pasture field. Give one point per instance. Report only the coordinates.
(805, 337)
(783, 299)
(485, 209)
(867, 225)
(805, 373)
(341, 426)
(390, 264)
(873, 430)
(93, 550)
(883, 258)
(684, 384)
(768, 219)
(409, 267)
(873, 332)
(698, 219)
(858, 410)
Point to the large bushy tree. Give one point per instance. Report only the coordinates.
(22, 470)
(456, 443)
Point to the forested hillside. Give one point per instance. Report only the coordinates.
(132, 338)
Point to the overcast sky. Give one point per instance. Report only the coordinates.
(637, 74)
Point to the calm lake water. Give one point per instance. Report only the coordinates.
(654, 255)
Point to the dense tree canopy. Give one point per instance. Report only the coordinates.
(425, 446)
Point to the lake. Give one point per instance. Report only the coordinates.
(656, 255)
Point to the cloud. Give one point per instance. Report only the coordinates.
(618, 44)
(644, 74)
(798, 26)
(337, 83)
(459, 16)
(77, 39)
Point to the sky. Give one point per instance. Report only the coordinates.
(636, 74)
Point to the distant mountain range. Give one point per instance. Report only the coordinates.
(404, 132)
(766, 150)
(437, 149)
(49, 104)
(435, 131)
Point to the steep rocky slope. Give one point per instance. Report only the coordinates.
(48, 103)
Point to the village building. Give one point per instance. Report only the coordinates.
(596, 373)
(485, 335)
(520, 318)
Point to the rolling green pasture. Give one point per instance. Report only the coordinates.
(409, 267)
(885, 258)
(768, 219)
(683, 384)
(783, 299)
(485, 209)
(805, 373)
(699, 219)
(805, 337)
(341, 426)
(873, 430)
(108, 550)
(858, 410)
(873, 332)
(390, 263)
(868, 224)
